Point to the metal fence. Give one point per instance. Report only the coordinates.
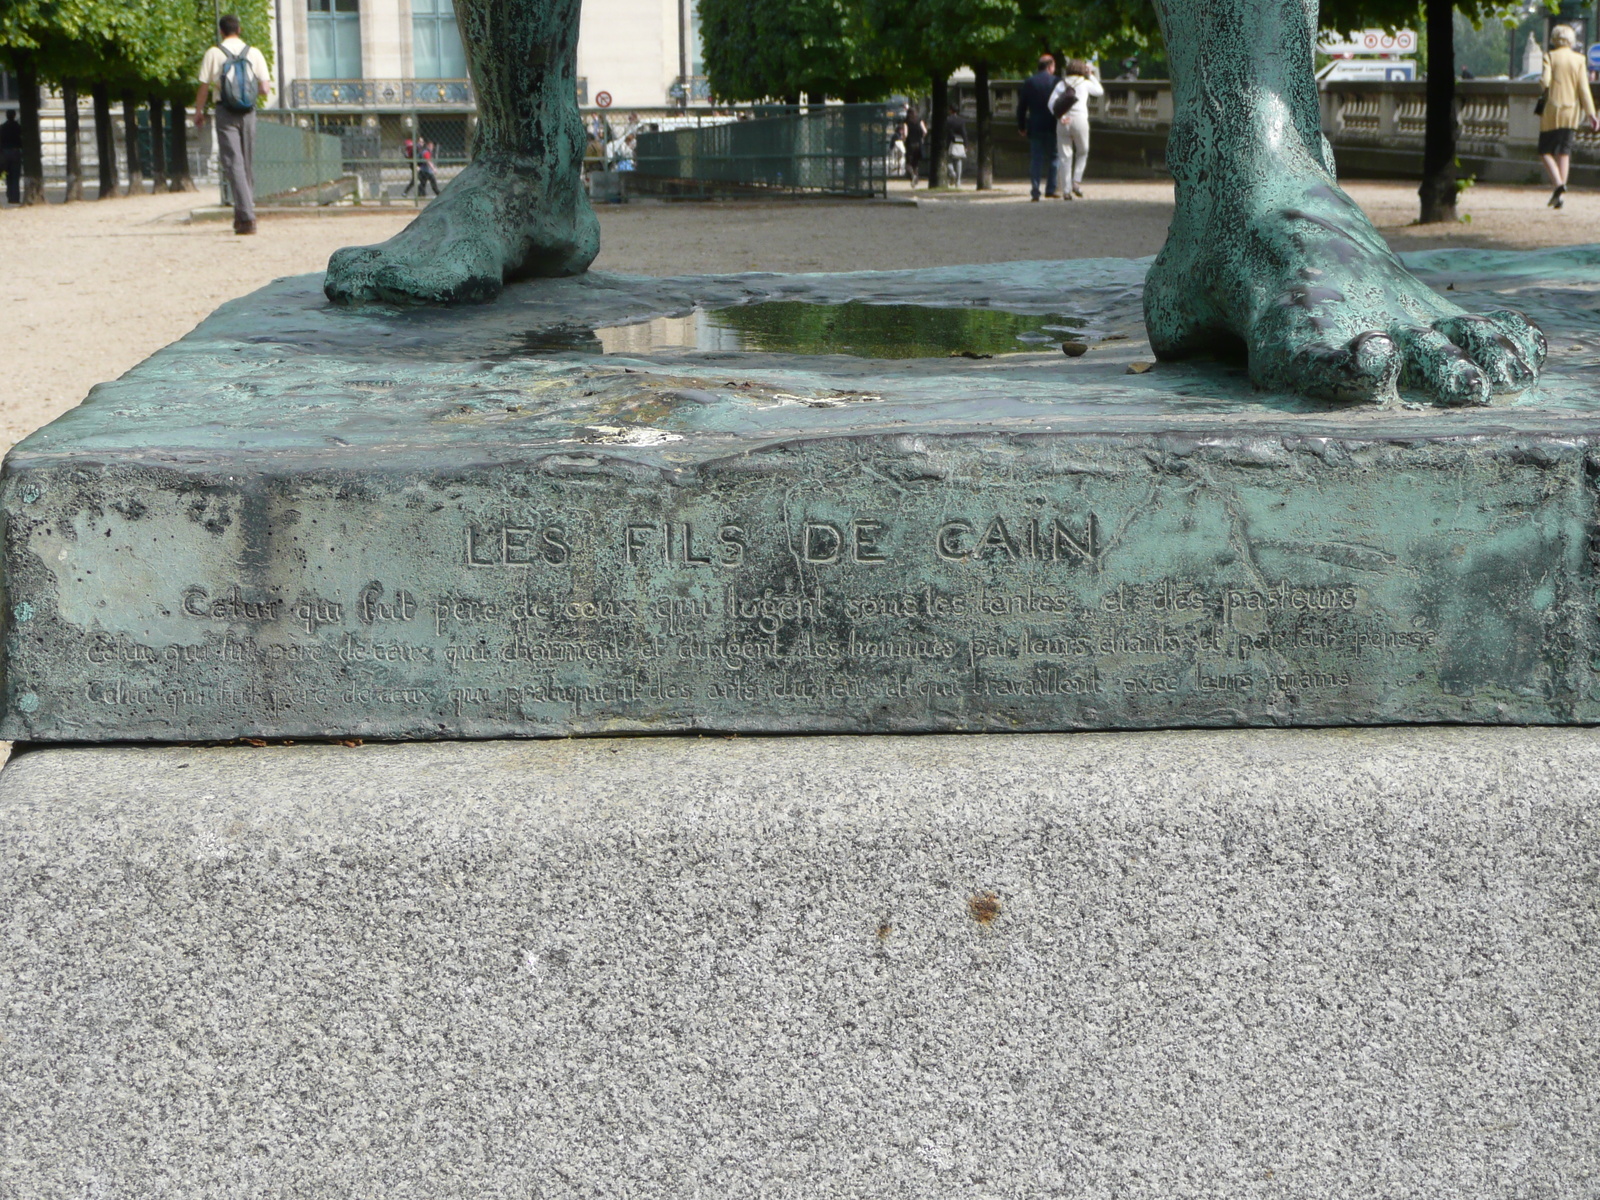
(840, 149)
(381, 158)
(293, 165)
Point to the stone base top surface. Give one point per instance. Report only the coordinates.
(1287, 964)
(301, 521)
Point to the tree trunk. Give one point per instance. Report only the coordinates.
(130, 144)
(69, 109)
(32, 147)
(105, 141)
(1439, 190)
(985, 122)
(158, 145)
(938, 125)
(178, 177)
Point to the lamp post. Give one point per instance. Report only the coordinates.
(683, 53)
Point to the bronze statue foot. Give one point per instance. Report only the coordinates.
(498, 220)
(1266, 255)
(1292, 271)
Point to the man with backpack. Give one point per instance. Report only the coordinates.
(238, 73)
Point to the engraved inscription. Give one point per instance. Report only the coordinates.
(793, 601)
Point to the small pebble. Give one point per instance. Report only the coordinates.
(1139, 368)
(1074, 349)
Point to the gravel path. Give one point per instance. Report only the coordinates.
(90, 289)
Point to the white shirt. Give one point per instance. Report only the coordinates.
(211, 65)
(1084, 86)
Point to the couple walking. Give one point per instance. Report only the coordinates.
(1054, 112)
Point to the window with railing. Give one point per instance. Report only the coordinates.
(436, 51)
(333, 29)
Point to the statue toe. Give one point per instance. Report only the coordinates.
(1326, 366)
(1487, 342)
(1436, 365)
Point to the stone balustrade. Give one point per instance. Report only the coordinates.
(359, 94)
(1493, 116)
(1376, 127)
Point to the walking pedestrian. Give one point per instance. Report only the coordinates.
(239, 75)
(425, 173)
(1080, 80)
(408, 150)
(619, 154)
(916, 130)
(1566, 100)
(1035, 119)
(955, 146)
(11, 156)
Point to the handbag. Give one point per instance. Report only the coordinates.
(1540, 104)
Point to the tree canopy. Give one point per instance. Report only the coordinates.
(866, 49)
(783, 49)
(152, 46)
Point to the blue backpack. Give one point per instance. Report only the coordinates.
(238, 91)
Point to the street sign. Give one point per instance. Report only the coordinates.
(1344, 70)
(1368, 41)
(603, 99)
(1594, 57)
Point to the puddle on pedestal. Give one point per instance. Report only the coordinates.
(854, 328)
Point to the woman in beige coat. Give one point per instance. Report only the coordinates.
(1568, 99)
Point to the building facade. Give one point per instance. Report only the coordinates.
(356, 57)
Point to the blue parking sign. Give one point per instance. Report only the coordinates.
(1594, 57)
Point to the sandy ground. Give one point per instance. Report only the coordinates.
(87, 290)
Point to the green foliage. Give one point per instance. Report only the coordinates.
(938, 36)
(151, 46)
(1111, 29)
(863, 49)
(1348, 15)
(777, 49)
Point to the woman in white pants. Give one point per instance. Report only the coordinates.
(1072, 128)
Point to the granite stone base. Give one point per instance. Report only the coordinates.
(1298, 964)
(542, 517)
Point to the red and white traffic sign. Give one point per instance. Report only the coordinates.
(603, 99)
(1368, 41)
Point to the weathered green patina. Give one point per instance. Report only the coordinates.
(305, 520)
(1267, 259)
(520, 209)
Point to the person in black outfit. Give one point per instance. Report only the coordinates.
(11, 157)
(915, 129)
(425, 175)
(1035, 119)
(955, 146)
